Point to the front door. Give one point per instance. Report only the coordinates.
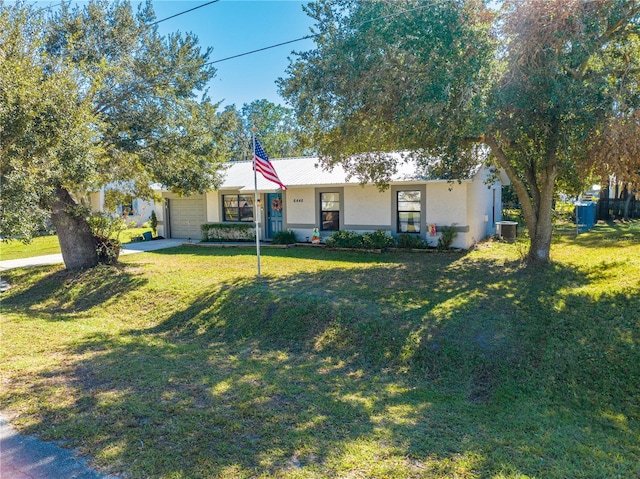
(274, 214)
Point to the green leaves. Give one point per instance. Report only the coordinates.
(391, 75)
(538, 81)
(92, 96)
(275, 126)
(46, 129)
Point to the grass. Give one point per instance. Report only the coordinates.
(40, 246)
(127, 235)
(44, 245)
(182, 364)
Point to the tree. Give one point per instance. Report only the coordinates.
(536, 82)
(46, 133)
(274, 124)
(616, 153)
(101, 99)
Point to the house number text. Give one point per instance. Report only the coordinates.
(298, 200)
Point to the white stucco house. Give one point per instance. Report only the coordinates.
(136, 210)
(329, 201)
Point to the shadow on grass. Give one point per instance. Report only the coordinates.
(295, 252)
(430, 366)
(68, 292)
(614, 233)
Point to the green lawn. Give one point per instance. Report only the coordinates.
(40, 246)
(44, 245)
(182, 364)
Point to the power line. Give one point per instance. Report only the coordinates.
(395, 14)
(49, 7)
(150, 24)
(182, 13)
(262, 49)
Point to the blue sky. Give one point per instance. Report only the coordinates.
(237, 26)
(232, 27)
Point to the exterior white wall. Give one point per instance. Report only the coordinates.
(446, 203)
(446, 206)
(142, 209)
(158, 207)
(299, 206)
(96, 199)
(367, 207)
(469, 204)
(213, 207)
(300, 211)
(484, 207)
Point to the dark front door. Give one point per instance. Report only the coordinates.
(274, 214)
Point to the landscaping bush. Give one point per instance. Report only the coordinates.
(106, 230)
(345, 239)
(284, 237)
(410, 241)
(153, 222)
(379, 239)
(449, 233)
(228, 232)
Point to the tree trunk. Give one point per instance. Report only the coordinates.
(77, 243)
(542, 230)
(536, 200)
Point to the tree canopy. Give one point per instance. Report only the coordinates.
(91, 96)
(539, 81)
(275, 125)
(45, 126)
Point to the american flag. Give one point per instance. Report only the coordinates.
(262, 164)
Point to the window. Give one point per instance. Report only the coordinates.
(237, 207)
(409, 211)
(126, 208)
(330, 211)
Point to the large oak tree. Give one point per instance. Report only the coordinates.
(538, 82)
(92, 96)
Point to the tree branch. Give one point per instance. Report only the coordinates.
(578, 73)
(521, 189)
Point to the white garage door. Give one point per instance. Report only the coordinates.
(186, 215)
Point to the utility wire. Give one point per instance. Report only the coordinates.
(182, 13)
(262, 49)
(49, 7)
(314, 35)
(150, 24)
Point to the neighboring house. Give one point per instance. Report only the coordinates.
(136, 210)
(327, 200)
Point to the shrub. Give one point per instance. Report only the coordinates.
(106, 226)
(153, 222)
(350, 239)
(410, 241)
(379, 239)
(345, 239)
(106, 230)
(284, 237)
(228, 232)
(449, 233)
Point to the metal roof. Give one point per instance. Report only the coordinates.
(306, 171)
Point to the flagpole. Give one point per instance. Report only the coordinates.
(256, 214)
